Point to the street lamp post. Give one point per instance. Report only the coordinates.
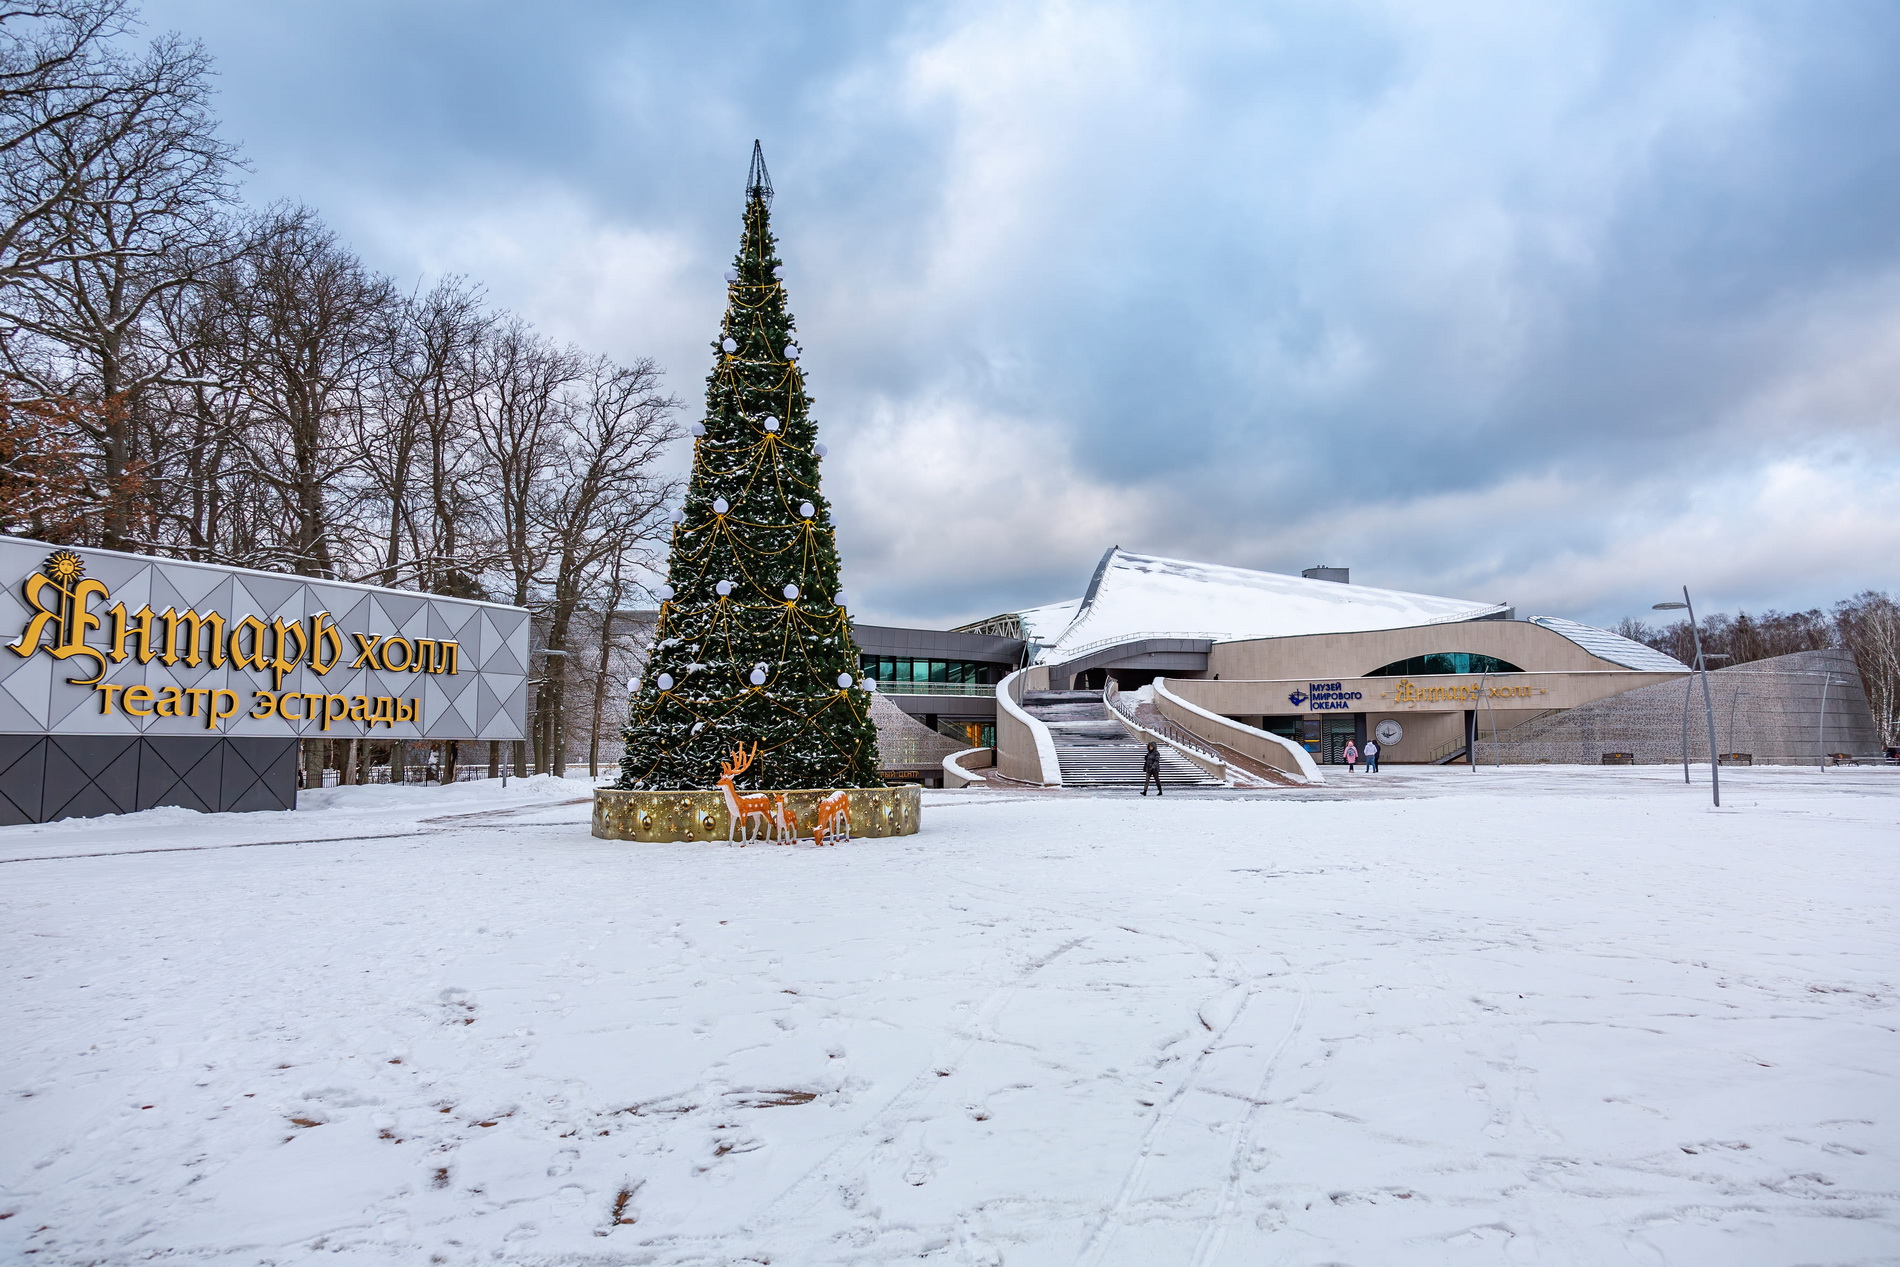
(1471, 749)
(1708, 703)
(1820, 737)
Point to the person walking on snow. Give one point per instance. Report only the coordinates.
(1372, 756)
(1151, 769)
(1351, 754)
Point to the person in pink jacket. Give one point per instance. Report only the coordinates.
(1351, 754)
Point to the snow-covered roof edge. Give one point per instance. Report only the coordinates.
(1613, 647)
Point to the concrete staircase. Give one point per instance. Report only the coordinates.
(1095, 750)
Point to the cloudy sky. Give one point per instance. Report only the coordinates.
(1566, 303)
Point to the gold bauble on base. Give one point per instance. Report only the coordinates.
(668, 816)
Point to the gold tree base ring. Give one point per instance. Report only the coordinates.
(654, 817)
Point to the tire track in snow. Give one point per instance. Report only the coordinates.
(862, 1141)
(451, 823)
(1215, 1235)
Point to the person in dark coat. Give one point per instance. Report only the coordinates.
(1151, 769)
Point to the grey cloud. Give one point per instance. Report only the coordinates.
(1284, 277)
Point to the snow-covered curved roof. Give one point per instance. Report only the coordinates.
(1613, 647)
(1136, 594)
(1043, 625)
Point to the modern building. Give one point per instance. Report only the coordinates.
(1282, 671)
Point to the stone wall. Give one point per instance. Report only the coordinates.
(1770, 709)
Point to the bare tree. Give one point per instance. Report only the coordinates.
(603, 507)
(308, 324)
(56, 66)
(141, 181)
(421, 450)
(1870, 629)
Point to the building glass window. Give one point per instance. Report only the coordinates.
(893, 671)
(1445, 662)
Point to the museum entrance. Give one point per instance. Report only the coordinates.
(1326, 736)
(1323, 735)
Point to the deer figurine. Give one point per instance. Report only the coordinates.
(833, 820)
(744, 807)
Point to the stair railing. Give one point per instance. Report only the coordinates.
(1207, 760)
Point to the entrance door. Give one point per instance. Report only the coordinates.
(1335, 731)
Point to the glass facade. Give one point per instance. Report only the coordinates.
(973, 733)
(891, 671)
(1445, 662)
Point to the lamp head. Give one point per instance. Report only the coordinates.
(1668, 607)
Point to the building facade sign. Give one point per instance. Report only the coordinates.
(104, 643)
(1325, 697)
(1407, 694)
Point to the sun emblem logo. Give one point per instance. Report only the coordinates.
(65, 567)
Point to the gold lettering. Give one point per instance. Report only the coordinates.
(35, 630)
(264, 704)
(106, 691)
(283, 660)
(365, 650)
(137, 695)
(253, 659)
(193, 625)
(335, 708)
(408, 653)
(197, 695)
(72, 615)
(125, 628)
(218, 711)
(170, 702)
(323, 633)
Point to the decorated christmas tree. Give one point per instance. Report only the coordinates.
(753, 645)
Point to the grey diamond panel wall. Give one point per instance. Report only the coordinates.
(37, 698)
(49, 777)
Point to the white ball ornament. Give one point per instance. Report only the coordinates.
(778, 272)
(758, 677)
(844, 681)
(678, 516)
(791, 591)
(870, 684)
(724, 588)
(721, 505)
(732, 274)
(806, 510)
(666, 681)
(698, 429)
(771, 423)
(791, 351)
(665, 592)
(838, 598)
(820, 449)
(728, 345)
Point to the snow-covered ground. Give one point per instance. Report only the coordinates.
(1424, 1017)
